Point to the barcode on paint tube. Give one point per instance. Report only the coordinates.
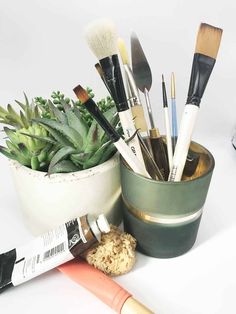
(54, 251)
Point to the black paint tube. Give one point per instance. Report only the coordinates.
(50, 250)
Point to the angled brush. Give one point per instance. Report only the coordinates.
(134, 163)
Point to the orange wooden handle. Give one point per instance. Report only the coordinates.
(94, 280)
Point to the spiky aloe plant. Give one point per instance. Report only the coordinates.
(80, 146)
(58, 135)
(31, 152)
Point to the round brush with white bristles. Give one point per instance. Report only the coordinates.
(102, 39)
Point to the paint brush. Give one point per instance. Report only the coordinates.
(192, 157)
(167, 123)
(103, 287)
(101, 74)
(102, 39)
(125, 60)
(173, 112)
(134, 163)
(136, 106)
(143, 78)
(138, 113)
(207, 46)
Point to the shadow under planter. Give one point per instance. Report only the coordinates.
(163, 216)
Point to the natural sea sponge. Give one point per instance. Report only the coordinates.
(115, 254)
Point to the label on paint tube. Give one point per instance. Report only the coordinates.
(42, 254)
(47, 251)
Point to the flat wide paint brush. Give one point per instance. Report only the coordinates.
(102, 39)
(134, 163)
(143, 78)
(207, 46)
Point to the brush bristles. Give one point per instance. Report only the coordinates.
(208, 40)
(102, 38)
(123, 51)
(81, 94)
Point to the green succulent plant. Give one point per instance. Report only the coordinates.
(80, 146)
(30, 152)
(19, 120)
(57, 135)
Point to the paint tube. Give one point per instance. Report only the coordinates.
(50, 250)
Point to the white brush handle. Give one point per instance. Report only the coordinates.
(184, 139)
(168, 137)
(126, 120)
(134, 163)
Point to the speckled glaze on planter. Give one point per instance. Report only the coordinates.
(47, 202)
(164, 216)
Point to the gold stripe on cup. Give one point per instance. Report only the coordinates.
(170, 220)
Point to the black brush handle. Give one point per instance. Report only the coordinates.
(164, 96)
(191, 163)
(112, 74)
(201, 71)
(102, 121)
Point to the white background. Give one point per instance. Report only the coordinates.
(42, 48)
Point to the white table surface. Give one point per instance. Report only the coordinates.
(42, 49)
(201, 281)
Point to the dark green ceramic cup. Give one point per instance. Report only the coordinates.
(164, 217)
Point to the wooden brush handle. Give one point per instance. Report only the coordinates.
(95, 281)
(139, 119)
(132, 306)
(103, 287)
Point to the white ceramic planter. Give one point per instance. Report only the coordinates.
(49, 201)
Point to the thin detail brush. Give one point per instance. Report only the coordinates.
(120, 144)
(167, 123)
(173, 112)
(207, 46)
